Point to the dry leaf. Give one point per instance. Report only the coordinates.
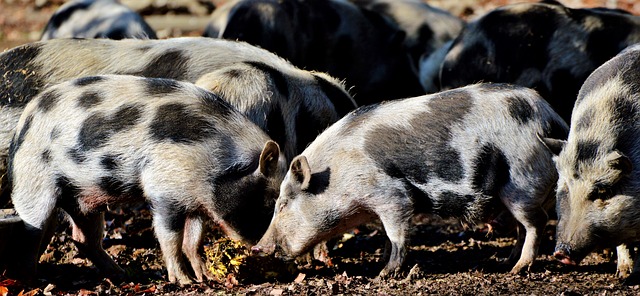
(4, 291)
(300, 278)
(30, 293)
(276, 292)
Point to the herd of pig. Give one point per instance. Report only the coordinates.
(528, 111)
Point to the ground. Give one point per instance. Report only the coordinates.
(444, 257)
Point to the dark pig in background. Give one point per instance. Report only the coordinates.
(598, 195)
(427, 28)
(97, 19)
(334, 36)
(470, 153)
(85, 144)
(545, 46)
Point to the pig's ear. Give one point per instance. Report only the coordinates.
(269, 158)
(619, 161)
(301, 171)
(554, 145)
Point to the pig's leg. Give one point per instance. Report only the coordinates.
(395, 219)
(88, 230)
(193, 234)
(634, 277)
(625, 263)
(169, 223)
(533, 221)
(37, 214)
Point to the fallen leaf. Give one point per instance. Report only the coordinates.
(300, 278)
(30, 293)
(84, 292)
(276, 292)
(4, 291)
(47, 290)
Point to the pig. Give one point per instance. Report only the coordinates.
(470, 153)
(311, 100)
(599, 166)
(332, 36)
(427, 28)
(100, 141)
(97, 19)
(545, 46)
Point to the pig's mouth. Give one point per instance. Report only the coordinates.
(566, 255)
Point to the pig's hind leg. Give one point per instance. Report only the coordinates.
(531, 224)
(169, 225)
(193, 234)
(87, 234)
(395, 218)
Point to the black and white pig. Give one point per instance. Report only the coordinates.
(97, 19)
(290, 104)
(427, 28)
(332, 36)
(470, 153)
(100, 141)
(545, 46)
(598, 190)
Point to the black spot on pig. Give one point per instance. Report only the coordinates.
(585, 120)
(276, 77)
(241, 197)
(15, 145)
(109, 162)
(89, 99)
(491, 170)
(48, 100)
(77, 155)
(520, 110)
(173, 215)
(586, 150)
(55, 133)
(215, 106)
(452, 204)
(65, 14)
(161, 86)
(176, 123)
(88, 80)
(425, 152)
(340, 100)
(319, 181)
(98, 128)
(20, 78)
(68, 191)
(117, 188)
(172, 64)
(46, 156)
(276, 128)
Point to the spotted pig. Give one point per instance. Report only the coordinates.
(545, 46)
(470, 153)
(97, 19)
(599, 166)
(332, 36)
(311, 100)
(99, 141)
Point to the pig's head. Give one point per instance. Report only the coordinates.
(308, 211)
(246, 195)
(593, 209)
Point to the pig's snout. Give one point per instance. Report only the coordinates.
(259, 250)
(563, 254)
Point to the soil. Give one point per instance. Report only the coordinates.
(444, 258)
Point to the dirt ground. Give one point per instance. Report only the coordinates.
(444, 258)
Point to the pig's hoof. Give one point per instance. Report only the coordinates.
(632, 280)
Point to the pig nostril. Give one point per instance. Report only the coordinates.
(256, 250)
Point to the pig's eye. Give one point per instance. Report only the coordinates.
(601, 191)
